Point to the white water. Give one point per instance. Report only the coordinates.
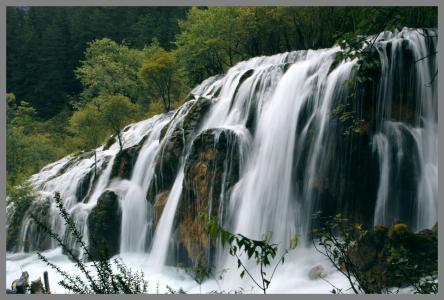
(161, 240)
(291, 96)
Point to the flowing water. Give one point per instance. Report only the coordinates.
(292, 156)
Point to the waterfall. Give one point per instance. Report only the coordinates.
(261, 148)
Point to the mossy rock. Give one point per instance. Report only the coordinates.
(378, 247)
(104, 224)
(211, 170)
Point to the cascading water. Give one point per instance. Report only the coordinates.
(261, 149)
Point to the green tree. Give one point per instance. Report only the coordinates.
(163, 77)
(109, 69)
(115, 112)
(87, 124)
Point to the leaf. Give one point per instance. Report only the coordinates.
(242, 274)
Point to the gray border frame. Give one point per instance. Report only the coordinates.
(4, 3)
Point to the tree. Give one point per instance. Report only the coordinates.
(88, 125)
(163, 77)
(115, 112)
(109, 69)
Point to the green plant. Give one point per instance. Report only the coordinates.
(349, 119)
(99, 277)
(262, 251)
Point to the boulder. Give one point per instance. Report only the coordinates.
(125, 160)
(104, 223)
(211, 170)
(377, 252)
(37, 287)
(36, 238)
(316, 272)
(21, 285)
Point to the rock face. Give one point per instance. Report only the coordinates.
(84, 185)
(104, 223)
(125, 161)
(36, 238)
(211, 170)
(378, 249)
(167, 164)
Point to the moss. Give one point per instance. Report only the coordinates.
(397, 230)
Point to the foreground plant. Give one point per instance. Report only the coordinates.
(100, 278)
(263, 251)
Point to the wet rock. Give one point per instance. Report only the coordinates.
(37, 287)
(36, 238)
(104, 223)
(195, 116)
(84, 185)
(125, 161)
(211, 170)
(166, 165)
(316, 272)
(21, 285)
(159, 204)
(377, 250)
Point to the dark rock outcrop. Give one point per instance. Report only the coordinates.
(211, 170)
(125, 160)
(168, 160)
(166, 165)
(36, 238)
(104, 223)
(377, 250)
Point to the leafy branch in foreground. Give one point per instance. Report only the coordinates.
(102, 279)
(262, 250)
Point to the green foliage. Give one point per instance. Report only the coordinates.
(262, 251)
(29, 144)
(87, 125)
(348, 118)
(18, 201)
(162, 76)
(102, 279)
(116, 111)
(108, 69)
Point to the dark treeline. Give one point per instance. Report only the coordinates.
(64, 62)
(46, 44)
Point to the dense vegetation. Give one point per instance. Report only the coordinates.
(71, 70)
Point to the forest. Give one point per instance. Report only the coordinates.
(222, 149)
(61, 60)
